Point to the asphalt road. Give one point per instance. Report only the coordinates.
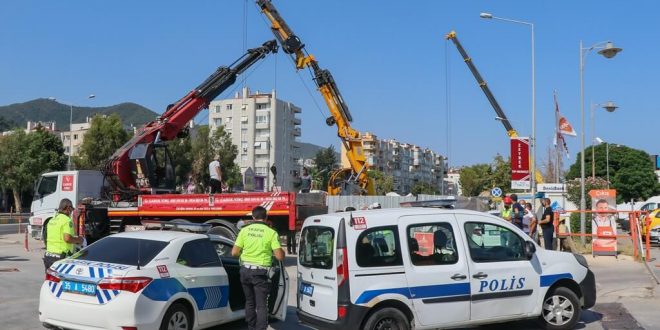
(11, 228)
(21, 275)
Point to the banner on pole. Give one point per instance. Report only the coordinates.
(520, 177)
(603, 222)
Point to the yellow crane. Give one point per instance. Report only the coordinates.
(510, 131)
(345, 181)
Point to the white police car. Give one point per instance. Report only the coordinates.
(151, 280)
(427, 268)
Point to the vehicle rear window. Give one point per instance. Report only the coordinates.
(122, 250)
(316, 247)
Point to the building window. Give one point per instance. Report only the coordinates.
(217, 122)
(244, 158)
(260, 170)
(229, 121)
(75, 136)
(261, 106)
(244, 134)
(262, 119)
(217, 109)
(228, 107)
(244, 119)
(244, 147)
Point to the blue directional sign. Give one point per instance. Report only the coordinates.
(496, 192)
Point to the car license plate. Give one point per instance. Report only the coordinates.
(306, 289)
(78, 287)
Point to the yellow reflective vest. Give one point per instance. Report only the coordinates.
(58, 226)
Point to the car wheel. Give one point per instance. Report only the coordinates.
(177, 317)
(387, 318)
(561, 309)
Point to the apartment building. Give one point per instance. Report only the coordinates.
(73, 139)
(266, 132)
(407, 163)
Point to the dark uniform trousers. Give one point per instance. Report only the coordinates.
(256, 287)
(50, 258)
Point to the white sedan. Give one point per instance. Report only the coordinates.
(151, 280)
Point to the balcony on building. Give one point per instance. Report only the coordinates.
(296, 131)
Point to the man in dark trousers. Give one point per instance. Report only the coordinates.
(256, 244)
(518, 212)
(547, 224)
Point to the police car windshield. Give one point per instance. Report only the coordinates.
(122, 250)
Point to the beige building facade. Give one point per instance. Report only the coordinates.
(266, 132)
(407, 163)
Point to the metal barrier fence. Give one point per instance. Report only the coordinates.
(635, 234)
(13, 217)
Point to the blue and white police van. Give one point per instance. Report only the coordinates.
(427, 268)
(151, 280)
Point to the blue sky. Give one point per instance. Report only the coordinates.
(389, 58)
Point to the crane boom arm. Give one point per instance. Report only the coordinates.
(489, 95)
(118, 169)
(340, 114)
(484, 86)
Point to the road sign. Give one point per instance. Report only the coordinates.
(496, 192)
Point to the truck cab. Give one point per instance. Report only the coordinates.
(52, 187)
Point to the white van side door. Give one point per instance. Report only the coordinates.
(437, 272)
(504, 283)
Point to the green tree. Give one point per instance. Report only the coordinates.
(325, 160)
(631, 171)
(204, 148)
(202, 155)
(6, 124)
(573, 189)
(424, 188)
(103, 138)
(24, 157)
(475, 179)
(384, 183)
(222, 145)
(501, 173)
(181, 153)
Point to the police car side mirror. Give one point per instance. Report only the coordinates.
(530, 249)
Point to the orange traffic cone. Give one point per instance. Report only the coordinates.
(25, 242)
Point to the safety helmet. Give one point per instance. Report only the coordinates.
(507, 200)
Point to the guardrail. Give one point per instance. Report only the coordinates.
(6, 218)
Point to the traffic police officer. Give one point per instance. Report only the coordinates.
(60, 237)
(256, 244)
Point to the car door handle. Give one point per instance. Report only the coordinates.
(480, 275)
(458, 277)
(191, 278)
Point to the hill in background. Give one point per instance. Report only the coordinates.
(17, 115)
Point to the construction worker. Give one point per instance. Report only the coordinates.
(506, 212)
(60, 236)
(256, 244)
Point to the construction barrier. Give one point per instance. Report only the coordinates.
(603, 233)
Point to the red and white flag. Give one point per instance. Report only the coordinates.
(564, 127)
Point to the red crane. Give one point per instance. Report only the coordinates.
(143, 165)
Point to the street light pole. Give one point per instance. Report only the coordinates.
(608, 51)
(69, 165)
(610, 107)
(532, 140)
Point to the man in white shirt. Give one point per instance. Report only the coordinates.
(216, 176)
